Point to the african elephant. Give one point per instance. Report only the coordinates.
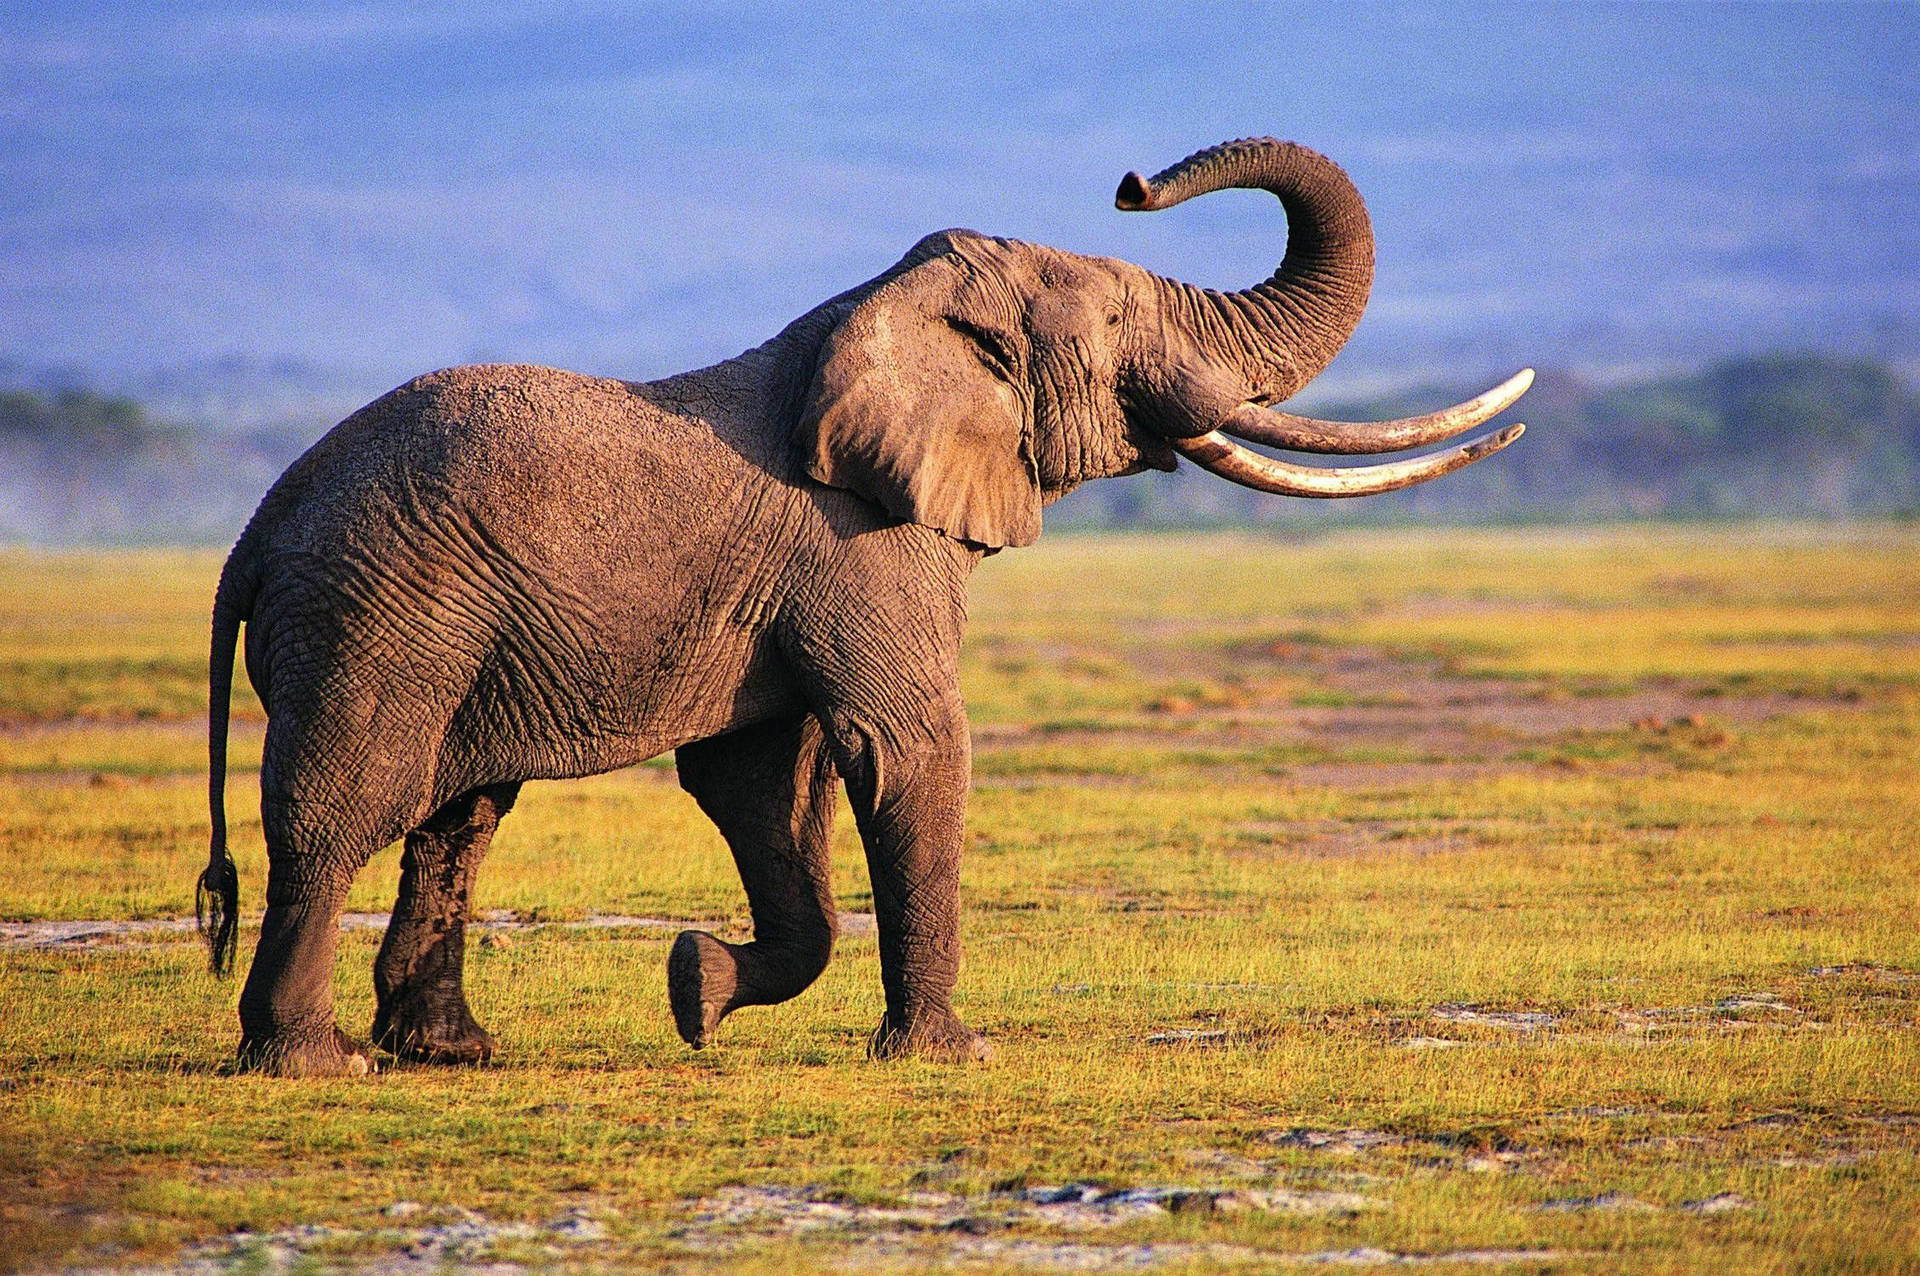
(503, 573)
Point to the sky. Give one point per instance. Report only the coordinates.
(301, 204)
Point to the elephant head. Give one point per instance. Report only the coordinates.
(981, 378)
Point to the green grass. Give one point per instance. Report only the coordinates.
(1288, 800)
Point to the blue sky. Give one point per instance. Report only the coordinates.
(342, 196)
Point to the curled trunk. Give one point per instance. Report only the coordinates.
(1229, 356)
(1279, 334)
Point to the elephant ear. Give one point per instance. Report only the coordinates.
(905, 411)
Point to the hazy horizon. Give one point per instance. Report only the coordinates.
(313, 202)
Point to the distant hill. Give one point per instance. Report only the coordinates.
(1780, 436)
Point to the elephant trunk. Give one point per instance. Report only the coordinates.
(1277, 335)
(1245, 350)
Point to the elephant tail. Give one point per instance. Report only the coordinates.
(216, 897)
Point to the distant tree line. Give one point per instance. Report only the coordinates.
(1784, 436)
(78, 467)
(1780, 436)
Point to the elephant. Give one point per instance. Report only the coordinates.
(503, 573)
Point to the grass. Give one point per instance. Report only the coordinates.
(1565, 865)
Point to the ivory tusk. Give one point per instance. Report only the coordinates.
(1215, 452)
(1306, 434)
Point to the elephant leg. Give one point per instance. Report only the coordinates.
(422, 1008)
(770, 790)
(908, 786)
(876, 650)
(286, 1008)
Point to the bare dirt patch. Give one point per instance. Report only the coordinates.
(1385, 720)
(1328, 839)
(1522, 1021)
(1335, 1142)
(1068, 1207)
(1480, 1151)
(1736, 1013)
(1000, 1229)
(1871, 972)
(1604, 1203)
(997, 1229)
(64, 936)
(1416, 707)
(449, 1238)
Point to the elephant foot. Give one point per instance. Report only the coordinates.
(702, 977)
(424, 1029)
(332, 1055)
(936, 1038)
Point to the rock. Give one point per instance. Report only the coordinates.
(1199, 1202)
(1725, 1203)
(978, 1225)
(578, 1227)
(1236, 1201)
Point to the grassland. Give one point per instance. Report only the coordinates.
(1536, 899)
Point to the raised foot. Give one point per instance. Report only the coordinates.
(420, 1034)
(337, 1055)
(937, 1039)
(701, 978)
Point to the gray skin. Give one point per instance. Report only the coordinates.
(506, 573)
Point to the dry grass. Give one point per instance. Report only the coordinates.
(1565, 867)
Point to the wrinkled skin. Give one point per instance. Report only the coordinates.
(506, 573)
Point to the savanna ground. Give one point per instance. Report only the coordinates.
(1537, 898)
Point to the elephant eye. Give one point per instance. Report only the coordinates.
(1113, 317)
(993, 351)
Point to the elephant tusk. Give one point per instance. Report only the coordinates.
(1306, 434)
(1215, 452)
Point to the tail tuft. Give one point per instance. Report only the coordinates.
(216, 905)
(216, 896)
